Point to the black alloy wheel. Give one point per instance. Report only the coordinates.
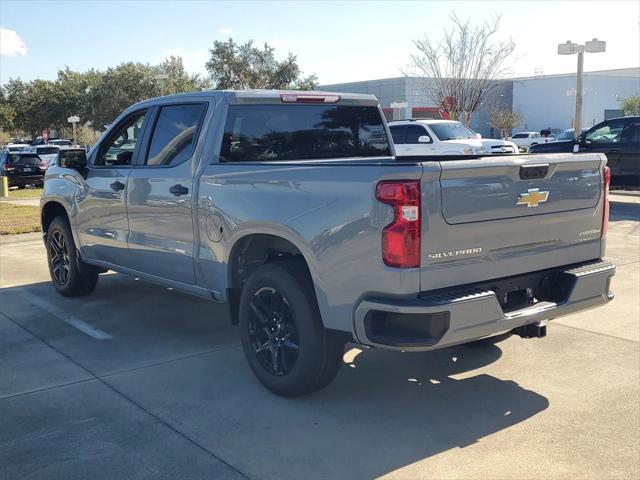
(272, 332)
(59, 258)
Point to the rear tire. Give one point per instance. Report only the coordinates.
(282, 334)
(69, 274)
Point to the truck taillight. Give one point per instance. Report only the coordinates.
(606, 181)
(401, 238)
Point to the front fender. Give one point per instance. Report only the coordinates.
(60, 187)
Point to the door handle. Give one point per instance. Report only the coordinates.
(117, 186)
(178, 190)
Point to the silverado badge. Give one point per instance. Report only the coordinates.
(532, 198)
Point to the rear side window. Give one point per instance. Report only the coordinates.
(302, 132)
(520, 135)
(397, 133)
(414, 132)
(174, 135)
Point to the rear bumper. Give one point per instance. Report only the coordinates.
(22, 180)
(444, 318)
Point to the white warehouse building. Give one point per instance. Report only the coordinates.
(543, 101)
(550, 101)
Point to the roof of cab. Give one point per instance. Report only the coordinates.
(259, 97)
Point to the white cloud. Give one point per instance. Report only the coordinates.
(225, 31)
(11, 45)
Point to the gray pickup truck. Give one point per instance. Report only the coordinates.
(292, 209)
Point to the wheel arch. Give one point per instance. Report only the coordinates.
(254, 249)
(49, 211)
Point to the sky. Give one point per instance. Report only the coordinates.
(338, 41)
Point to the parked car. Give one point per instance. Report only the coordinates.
(525, 140)
(22, 169)
(442, 137)
(15, 147)
(291, 208)
(47, 153)
(618, 138)
(60, 142)
(550, 132)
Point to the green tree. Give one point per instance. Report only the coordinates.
(234, 66)
(173, 78)
(7, 113)
(118, 88)
(37, 105)
(630, 105)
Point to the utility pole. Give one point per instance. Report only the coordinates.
(73, 120)
(570, 48)
(577, 122)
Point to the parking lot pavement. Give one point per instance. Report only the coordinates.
(139, 381)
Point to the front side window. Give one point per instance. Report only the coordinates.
(520, 135)
(631, 133)
(174, 135)
(302, 132)
(414, 132)
(118, 148)
(452, 131)
(607, 133)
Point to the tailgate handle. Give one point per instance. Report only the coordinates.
(531, 172)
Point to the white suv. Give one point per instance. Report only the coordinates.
(443, 137)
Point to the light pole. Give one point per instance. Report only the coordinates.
(570, 48)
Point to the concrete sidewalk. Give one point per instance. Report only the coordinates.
(138, 381)
(20, 201)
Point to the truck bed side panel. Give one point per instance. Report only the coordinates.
(329, 212)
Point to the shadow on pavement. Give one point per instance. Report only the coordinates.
(384, 411)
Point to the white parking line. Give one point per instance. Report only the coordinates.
(60, 314)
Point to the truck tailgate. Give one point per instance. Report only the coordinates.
(494, 217)
(506, 187)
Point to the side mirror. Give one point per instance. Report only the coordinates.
(75, 158)
(424, 139)
(478, 135)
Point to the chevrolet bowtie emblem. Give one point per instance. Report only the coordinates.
(532, 198)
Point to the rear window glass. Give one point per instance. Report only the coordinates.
(47, 150)
(302, 132)
(174, 134)
(23, 160)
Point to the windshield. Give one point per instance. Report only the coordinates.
(451, 131)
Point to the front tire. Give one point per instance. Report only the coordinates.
(69, 274)
(282, 334)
